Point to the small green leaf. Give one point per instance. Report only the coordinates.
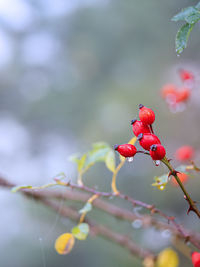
(161, 181)
(193, 18)
(81, 231)
(185, 13)
(99, 145)
(81, 162)
(182, 37)
(97, 155)
(86, 208)
(74, 158)
(110, 160)
(17, 188)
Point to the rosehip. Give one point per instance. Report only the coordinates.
(146, 115)
(182, 176)
(126, 150)
(168, 90)
(157, 152)
(196, 259)
(183, 95)
(139, 127)
(147, 140)
(186, 75)
(184, 153)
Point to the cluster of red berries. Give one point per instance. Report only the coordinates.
(177, 97)
(196, 259)
(147, 139)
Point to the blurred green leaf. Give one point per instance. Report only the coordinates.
(81, 231)
(110, 160)
(187, 14)
(182, 37)
(86, 208)
(161, 181)
(17, 188)
(100, 152)
(193, 18)
(99, 145)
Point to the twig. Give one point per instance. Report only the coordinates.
(192, 206)
(102, 230)
(113, 210)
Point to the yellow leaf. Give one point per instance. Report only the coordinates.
(64, 243)
(110, 161)
(167, 258)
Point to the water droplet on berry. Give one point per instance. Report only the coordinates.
(157, 162)
(129, 159)
(137, 224)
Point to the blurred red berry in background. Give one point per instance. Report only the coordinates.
(184, 153)
(182, 176)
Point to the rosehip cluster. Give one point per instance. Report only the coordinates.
(196, 259)
(177, 97)
(147, 139)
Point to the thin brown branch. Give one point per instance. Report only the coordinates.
(119, 213)
(192, 205)
(101, 230)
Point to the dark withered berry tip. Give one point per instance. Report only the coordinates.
(116, 147)
(140, 136)
(133, 121)
(141, 106)
(153, 147)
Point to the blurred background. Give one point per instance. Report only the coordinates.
(72, 72)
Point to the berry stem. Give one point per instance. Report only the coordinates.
(192, 206)
(113, 184)
(151, 127)
(143, 152)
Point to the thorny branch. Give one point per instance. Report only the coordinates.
(95, 229)
(147, 220)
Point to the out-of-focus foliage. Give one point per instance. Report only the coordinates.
(191, 15)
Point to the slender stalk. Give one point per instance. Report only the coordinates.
(90, 200)
(113, 184)
(173, 172)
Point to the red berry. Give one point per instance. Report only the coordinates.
(184, 153)
(147, 140)
(168, 90)
(196, 259)
(146, 115)
(139, 127)
(157, 152)
(183, 95)
(126, 150)
(182, 176)
(186, 75)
